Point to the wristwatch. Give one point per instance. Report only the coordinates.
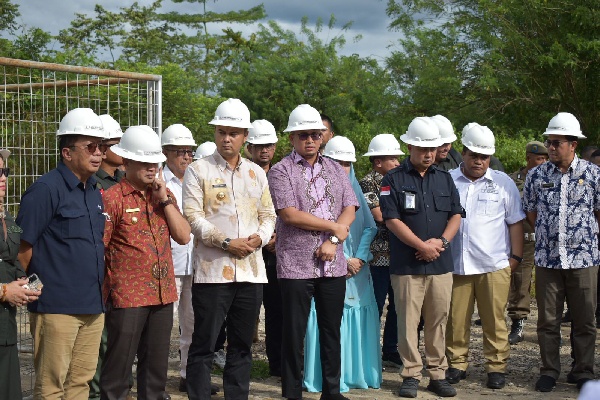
(225, 244)
(445, 242)
(165, 203)
(517, 258)
(334, 239)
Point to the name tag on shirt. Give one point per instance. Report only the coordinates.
(548, 185)
(132, 210)
(219, 185)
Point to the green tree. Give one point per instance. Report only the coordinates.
(510, 64)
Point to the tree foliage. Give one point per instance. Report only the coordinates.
(511, 64)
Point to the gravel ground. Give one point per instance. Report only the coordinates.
(523, 369)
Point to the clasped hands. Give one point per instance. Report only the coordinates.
(242, 247)
(327, 250)
(18, 295)
(430, 250)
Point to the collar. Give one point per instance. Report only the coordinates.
(102, 174)
(222, 163)
(169, 175)
(297, 158)
(488, 176)
(128, 188)
(572, 167)
(70, 179)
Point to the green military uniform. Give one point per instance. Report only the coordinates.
(519, 298)
(10, 270)
(104, 180)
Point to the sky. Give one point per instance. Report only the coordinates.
(368, 17)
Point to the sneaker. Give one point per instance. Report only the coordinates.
(441, 387)
(219, 359)
(455, 375)
(545, 383)
(517, 329)
(409, 388)
(391, 360)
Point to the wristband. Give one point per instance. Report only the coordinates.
(165, 203)
(3, 295)
(519, 259)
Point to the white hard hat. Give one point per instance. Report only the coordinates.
(422, 132)
(81, 121)
(112, 129)
(384, 144)
(303, 118)
(480, 139)
(138, 144)
(445, 127)
(177, 135)
(232, 112)
(564, 123)
(340, 148)
(262, 132)
(469, 126)
(205, 150)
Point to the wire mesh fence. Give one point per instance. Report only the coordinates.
(33, 98)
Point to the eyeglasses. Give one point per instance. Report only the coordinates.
(92, 147)
(314, 136)
(181, 153)
(554, 143)
(261, 147)
(4, 172)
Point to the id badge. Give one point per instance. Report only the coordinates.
(410, 201)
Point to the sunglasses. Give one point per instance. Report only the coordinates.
(554, 143)
(270, 146)
(92, 147)
(314, 136)
(5, 172)
(181, 153)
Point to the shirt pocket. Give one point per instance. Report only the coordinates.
(442, 200)
(488, 203)
(72, 223)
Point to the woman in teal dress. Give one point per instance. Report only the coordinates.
(361, 352)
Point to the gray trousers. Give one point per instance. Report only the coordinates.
(579, 287)
(145, 331)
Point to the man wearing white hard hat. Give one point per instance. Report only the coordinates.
(446, 157)
(316, 205)
(487, 248)
(421, 208)
(142, 215)
(383, 153)
(494, 162)
(262, 140)
(562, 201)
(61, 215)
(227, 201)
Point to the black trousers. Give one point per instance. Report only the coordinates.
(273, 320)
(145, 331)
(329, 302)
(239, 302)
(10, 381)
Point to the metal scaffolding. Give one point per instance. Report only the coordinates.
(34, 97)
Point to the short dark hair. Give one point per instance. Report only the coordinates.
(571, 138)
(67, 141)
(329, 120)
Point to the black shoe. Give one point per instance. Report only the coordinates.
(182, 385)
(496, 380)
(581, 382)
(166, 396)
(567, 319)
(478, 322)
(545, 384)
(571, 378)
(336, 396)
(214, 389)
(455, 375)
(597, 321)
(517, 328)
(441, 387)
(409, 388)
(391, 360)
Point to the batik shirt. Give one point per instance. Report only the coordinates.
(566, 229)
(380, 246)
(323, 190)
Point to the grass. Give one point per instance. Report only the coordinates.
(260, 370)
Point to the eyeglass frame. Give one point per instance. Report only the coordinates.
(92, 147)
(182, 152)
(313, 135)
(4, 172)
(554, 143)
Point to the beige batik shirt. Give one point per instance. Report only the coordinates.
(222, 203)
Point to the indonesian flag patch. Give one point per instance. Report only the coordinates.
(385, 191)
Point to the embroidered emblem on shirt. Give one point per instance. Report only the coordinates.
(252, 174)
(385, 191)
(220, 196)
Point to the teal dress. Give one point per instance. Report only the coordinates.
(361, 350)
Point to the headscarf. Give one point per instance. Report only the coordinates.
(363, 219)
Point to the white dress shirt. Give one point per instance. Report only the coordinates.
(182, 254)
(222, 203)
(492, 202)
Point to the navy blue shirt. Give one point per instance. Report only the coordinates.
(63, 221)
(435, 201)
